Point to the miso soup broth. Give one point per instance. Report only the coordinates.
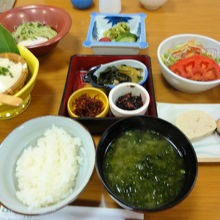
(143, 169)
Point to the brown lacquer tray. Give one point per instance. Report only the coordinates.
(79, 65)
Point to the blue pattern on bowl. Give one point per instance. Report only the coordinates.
(95, 31)
(116, 19)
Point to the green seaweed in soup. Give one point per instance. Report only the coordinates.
(143, 169)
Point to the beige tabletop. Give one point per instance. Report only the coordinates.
(175, 17)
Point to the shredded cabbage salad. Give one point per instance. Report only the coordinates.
(188, 49)
(33, 30)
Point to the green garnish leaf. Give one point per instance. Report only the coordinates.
(8, 43)
(5, 71)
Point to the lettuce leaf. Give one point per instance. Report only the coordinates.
(8, 43)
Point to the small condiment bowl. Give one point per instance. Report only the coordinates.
(135, 90)
(92, 92)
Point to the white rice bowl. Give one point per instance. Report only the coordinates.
(18, 142)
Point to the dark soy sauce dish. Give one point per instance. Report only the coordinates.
(146, 163)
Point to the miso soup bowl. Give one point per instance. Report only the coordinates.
(169, 132)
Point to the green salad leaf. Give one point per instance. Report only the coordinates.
(8, 43)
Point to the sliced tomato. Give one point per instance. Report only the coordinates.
(197, 67)
(106, 39)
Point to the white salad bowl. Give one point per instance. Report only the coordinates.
(26, 135)
(178, 82)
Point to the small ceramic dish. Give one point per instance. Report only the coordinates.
(100, 22)
(94, 73)
(57, 18)
(92, 93)
(126, 88)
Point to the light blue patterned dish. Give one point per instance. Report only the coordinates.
(101, 22)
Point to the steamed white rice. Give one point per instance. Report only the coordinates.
(46, 173)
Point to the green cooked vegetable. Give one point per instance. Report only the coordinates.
(112, 76)
(134, 73)
(143, 169)
(116, 30)
(32, 30)
(126, 37)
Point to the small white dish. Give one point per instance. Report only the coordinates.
(178, 82)
(135, 90)
(27, 134)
